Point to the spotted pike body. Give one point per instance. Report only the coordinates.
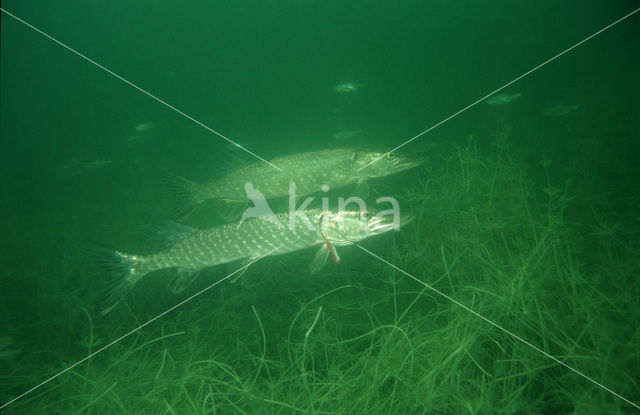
(204, 248)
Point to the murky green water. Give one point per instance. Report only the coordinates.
(527, 211)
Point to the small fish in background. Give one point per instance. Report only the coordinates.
(95, 164)
(144, 126)
(559, 110)
(346, 134)
(75, 167)
(502, 99)
(347, 87)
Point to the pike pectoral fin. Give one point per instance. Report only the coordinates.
(362, 189)
(334, 252)
(319, 259)
(181, 279)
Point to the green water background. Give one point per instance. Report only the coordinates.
(263, 73)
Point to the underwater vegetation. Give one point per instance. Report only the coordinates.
(532, 256)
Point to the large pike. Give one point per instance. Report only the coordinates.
(195, 249)
(309, 171)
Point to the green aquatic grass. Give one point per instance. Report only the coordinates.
(525, 255)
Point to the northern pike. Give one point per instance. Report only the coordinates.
(309, 171)
(346, 134)
(348, 87)
(502, 99)
(142, 127)
(559, 110)
(191, 250)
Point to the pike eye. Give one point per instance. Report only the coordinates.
(365, 215)
(391, 156)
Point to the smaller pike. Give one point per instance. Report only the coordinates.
(192, 250)
(309, 171)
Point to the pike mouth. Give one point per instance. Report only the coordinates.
(410, 161)
(406, 161)
(386, 223)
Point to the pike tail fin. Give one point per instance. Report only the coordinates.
(123, 271)
(187, 193)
